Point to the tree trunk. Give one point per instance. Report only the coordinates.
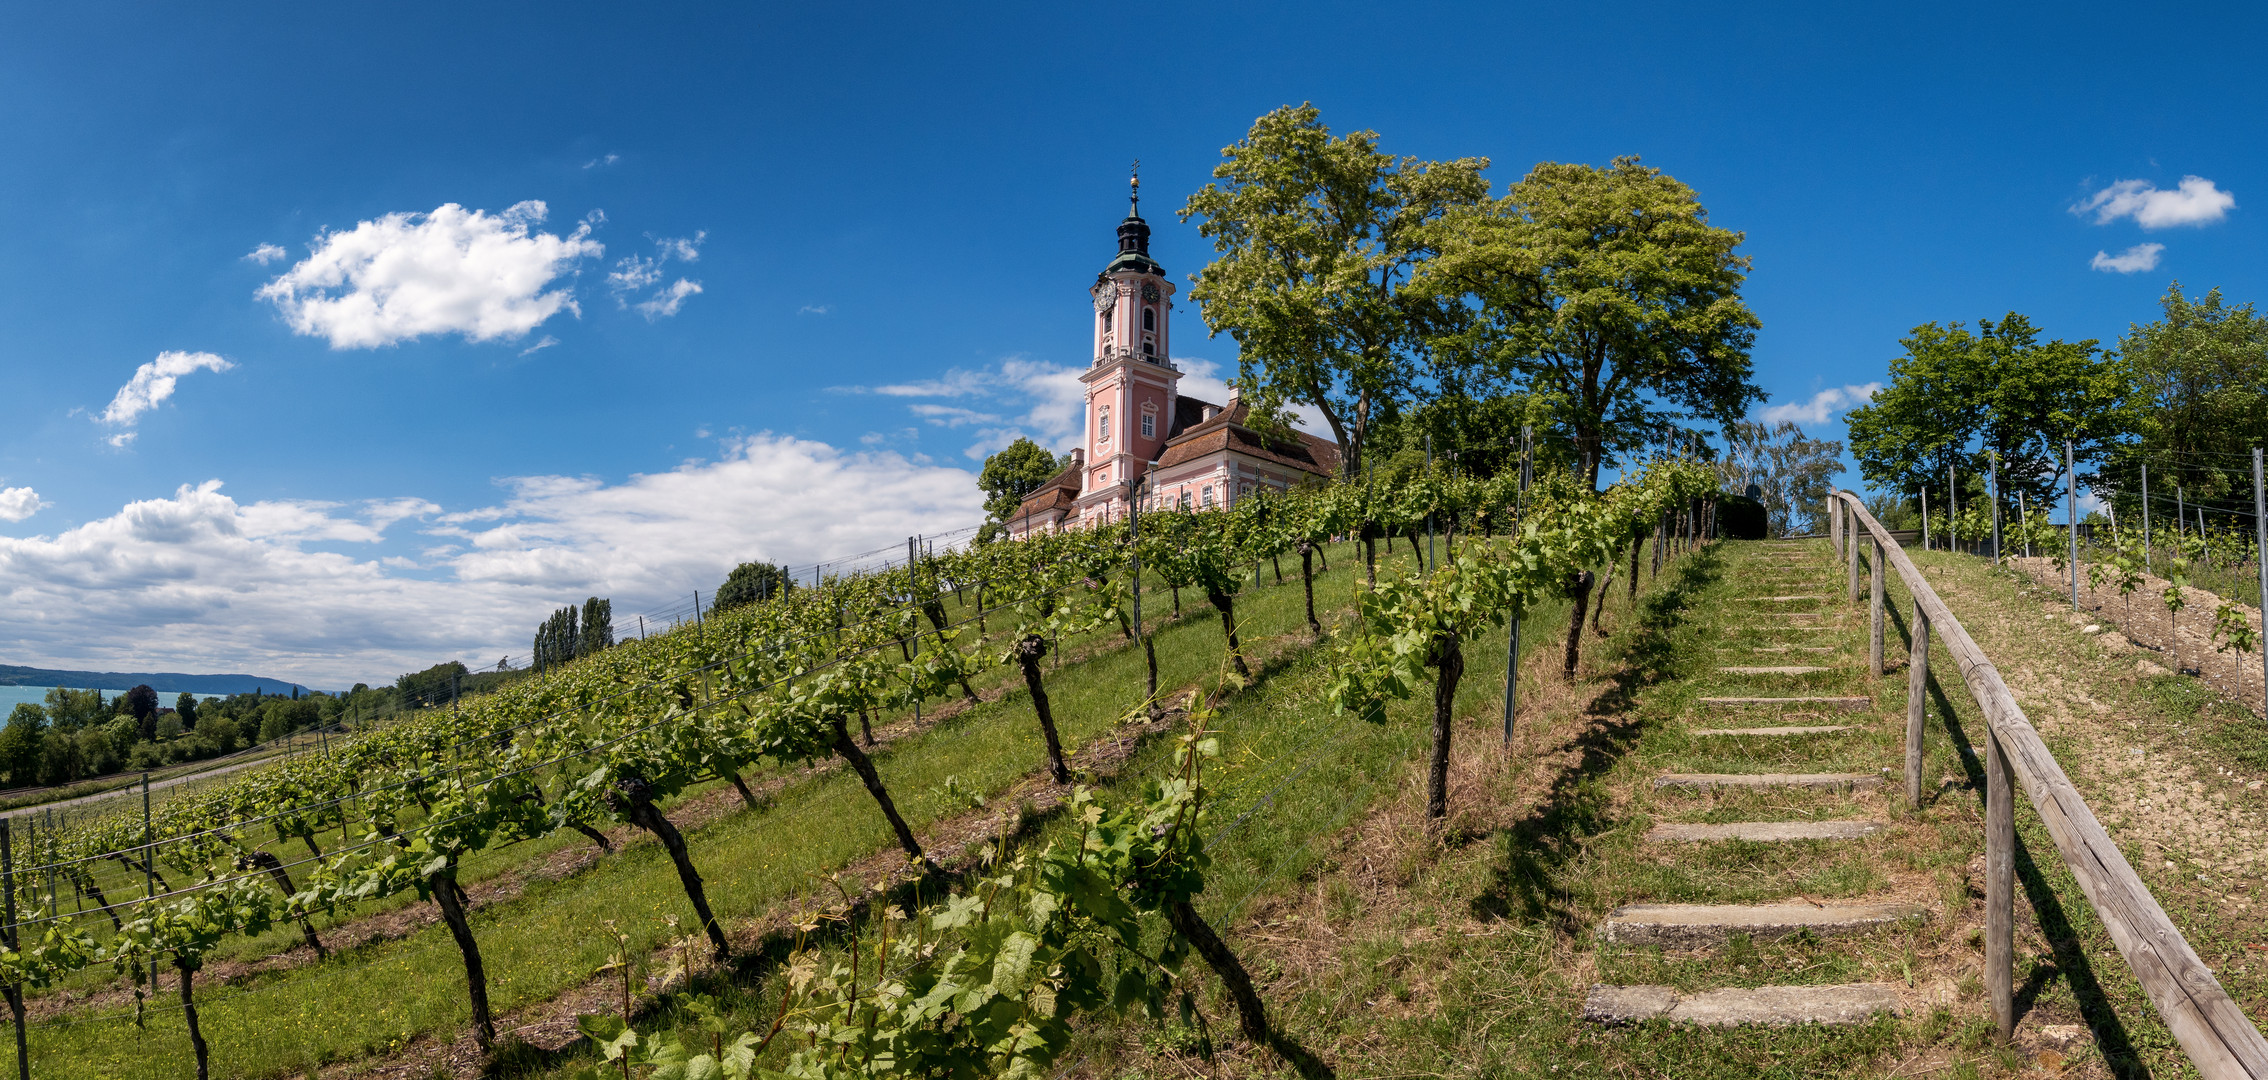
(1177, 602)
(189, 1014)
(1605, 586)
(865, 728)
(145, 868)
(1637, 545)
(102, 902)
(1370, 557)
(1323, 552)
(595, 836)
(15, 996)
(1449, 658)
(1275, 560)
(746, 796)
(643, 814)
(1252, 1016)
(261, 860)
(1028, 654)
(1226, 605)
(1580, 589)
(864, 767)
(308, 838)
(1307, 581)
(447, 898)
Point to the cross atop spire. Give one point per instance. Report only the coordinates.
(1134, 184)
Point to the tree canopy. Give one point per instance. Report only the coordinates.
(1013, 473)
(749, 583)
(1318, 240)
(1606, 291)
(2199, 401)
(1790, 469)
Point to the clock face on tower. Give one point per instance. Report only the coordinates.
(1105, 296)
(1150, 291)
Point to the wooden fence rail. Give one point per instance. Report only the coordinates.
(2220, 1040)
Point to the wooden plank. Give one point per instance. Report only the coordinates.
(2221, 1041)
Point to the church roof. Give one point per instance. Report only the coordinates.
(1059, 491)
(1227, 431)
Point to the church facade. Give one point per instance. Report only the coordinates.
(1143, 439)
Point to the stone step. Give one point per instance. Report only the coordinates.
(1764, 831)
(1791, 648)
(1801, 616)
(1784, 599)
(1827, 729)
(1787, 670)
(1846, 704)
(1765, 1006)
(1697, 925)
(1818, 781)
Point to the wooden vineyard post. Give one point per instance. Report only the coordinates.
(2260, 559)
(1835, 523)
(1874, 638)
(1917, 702)
(2000, 886)
(1994, 458)
(8, 924)
(1925, 517)
(1512, 626)
(2071, 482)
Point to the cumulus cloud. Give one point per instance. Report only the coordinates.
(2195, 202)
(812, 309)
(642, 274)
(265, 254)
(200, 581)
(2134, 259)
(151, 385)
(18, 503)
(452, 271)
(1822, 406)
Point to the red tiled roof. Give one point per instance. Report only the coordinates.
(1060, 490)
(1226, 431)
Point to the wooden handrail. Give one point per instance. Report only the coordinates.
(2220, 1040)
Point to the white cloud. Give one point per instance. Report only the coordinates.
(199, 581)
(952, 415)
(546, 342)
(453, 271)
(665, 303)
(637, 273)
(2195, 202)
(598, 161)
(2137, 258)
(18, 503)
(1822, 406)
(265, 254)
(812, 309)
(151, 385)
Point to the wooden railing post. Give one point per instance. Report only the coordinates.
(1917, 702)
(1874, 642)
(2000, 887)
(1850, 556)
(1835, 523)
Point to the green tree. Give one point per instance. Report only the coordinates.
(186, 705)
(557, 638)
(756, 582)
(2200, 393)
(70, 710)
(432, 686)
(1008, 476)
(598, 627)
(1319, 239)
(22, 743)
(142, 704)
(1608, 291)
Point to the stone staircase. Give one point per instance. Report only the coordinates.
(1778, 725)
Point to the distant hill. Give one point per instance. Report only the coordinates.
(164, 682)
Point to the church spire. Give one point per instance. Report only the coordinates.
(1134, 183)
(1134, 233)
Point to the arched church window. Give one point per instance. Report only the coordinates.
(1149, 318)
(1149, 425)
(1106, 423)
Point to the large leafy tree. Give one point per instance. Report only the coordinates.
(1318, 240)
(1012, 473)
(2200, 393)
(750, 583)
(1607, 292)
(1956, 395)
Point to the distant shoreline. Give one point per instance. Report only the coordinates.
(168, 682)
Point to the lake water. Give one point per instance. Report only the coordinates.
(37, 695)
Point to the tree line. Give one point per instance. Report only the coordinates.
(2185, 395)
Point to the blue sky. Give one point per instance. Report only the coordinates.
(766, 282)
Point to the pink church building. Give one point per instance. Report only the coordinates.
(1142, 431)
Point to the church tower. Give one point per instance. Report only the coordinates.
(1131, 381)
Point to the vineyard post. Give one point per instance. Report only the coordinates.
(1925, 517)
(2260, 555)
(8, 923)
(2000, 885)
(914, 641)
(2146, 521)
(149, 864)
(696, 607)
(1850, 534)
(1512, 628)
(1431, 562)
(2180, 511)
(2071, 485)
(1994, 458)
(2022, 521)
(641, 628)
(1952, 511)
